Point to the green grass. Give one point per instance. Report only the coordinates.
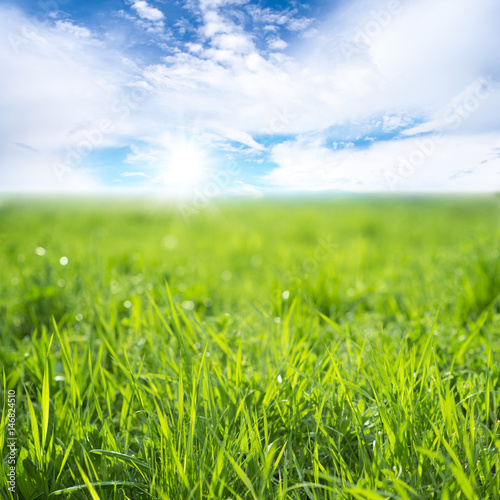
(261, 350)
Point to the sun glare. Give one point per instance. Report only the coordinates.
(185, 167)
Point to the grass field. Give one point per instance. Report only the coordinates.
(280, 349)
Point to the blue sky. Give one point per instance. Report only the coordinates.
(250, 97)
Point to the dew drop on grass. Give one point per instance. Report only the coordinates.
(277, 320)
(226, 275)
(256, 261)
(79, 317)
(61, 283)
(285, 294)
(127, 304)
(280, 380)
(63, 261)
(207, 302)
(170, 241)
(40, 251)
(188, 305)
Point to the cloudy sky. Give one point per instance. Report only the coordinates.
(250, 96)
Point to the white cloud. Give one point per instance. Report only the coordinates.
(434, 49)
(73, 29)
(145, 11)
(393, 122)
(457, 163)
(134, 174)
(234, 42)
(242, 138)
(139, 155)
(58, 83)
(25, 169)
(316, 82)
(228, 85)
(245, 189)
(271, 18)
(470, 110)
(277, 44)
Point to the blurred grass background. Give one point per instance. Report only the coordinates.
(379, 258)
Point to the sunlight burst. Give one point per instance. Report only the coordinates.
(186, 166)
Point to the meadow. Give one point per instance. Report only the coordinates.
(341, 348)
